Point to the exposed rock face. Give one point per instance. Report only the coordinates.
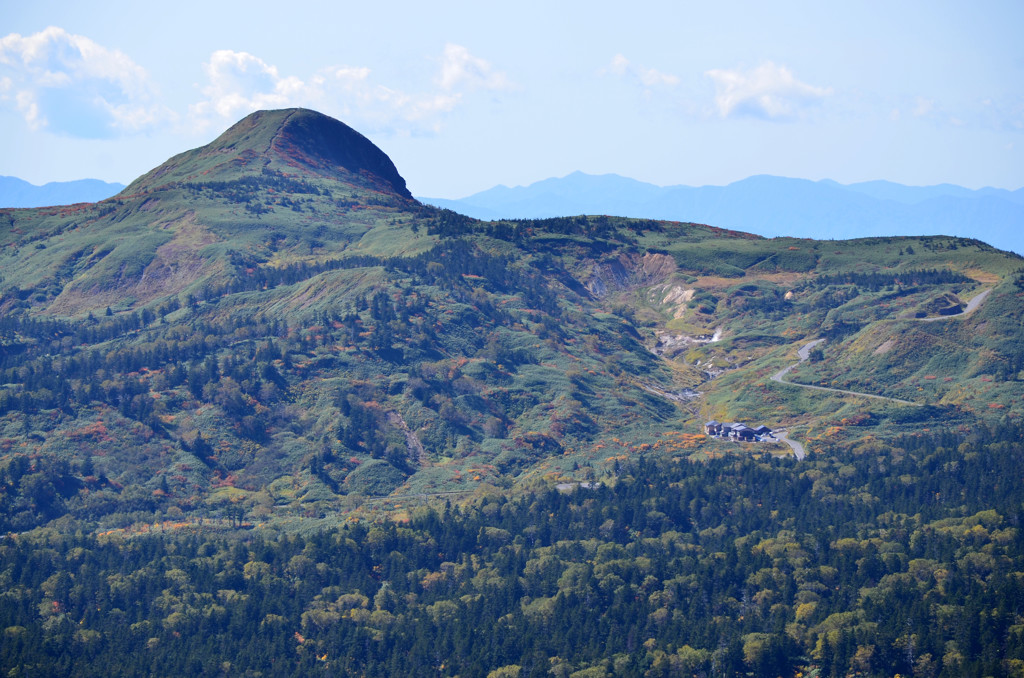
(630, 271)
(947, 304)
(884, 347)
(671, 345)
(678, 297)
(323, 143)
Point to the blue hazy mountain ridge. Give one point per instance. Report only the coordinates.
(770, 206)
(16, 192)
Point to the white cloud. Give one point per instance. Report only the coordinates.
(459, 68)
(768, 91)
(239, 83)
(348, 73)
(648, 77)
(69, 84)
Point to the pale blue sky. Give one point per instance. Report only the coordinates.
(464, 96)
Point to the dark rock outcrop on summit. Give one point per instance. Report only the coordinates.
(286, 140)
(323, 143)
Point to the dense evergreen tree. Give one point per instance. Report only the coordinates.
(723, 567)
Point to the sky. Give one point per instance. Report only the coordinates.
(464, 96)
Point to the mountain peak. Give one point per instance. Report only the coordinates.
(290, 140)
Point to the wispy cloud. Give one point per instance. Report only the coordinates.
(1001, 113)
(462, 70)
(768, 91)
(68, 84)
(648, 77)
(923, 107)
(239, 83)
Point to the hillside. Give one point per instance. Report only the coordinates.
(271, 325)
(263, 413)
(770, 206)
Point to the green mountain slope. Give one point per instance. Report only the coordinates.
(296, 140)
(271, 328)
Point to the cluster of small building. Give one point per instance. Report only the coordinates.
(738, 431)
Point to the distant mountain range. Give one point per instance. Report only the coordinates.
(16, 192)
(769, 206)
(766, 205)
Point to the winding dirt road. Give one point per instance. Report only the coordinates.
(804, 354)
(798, 448)
(972, 305)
